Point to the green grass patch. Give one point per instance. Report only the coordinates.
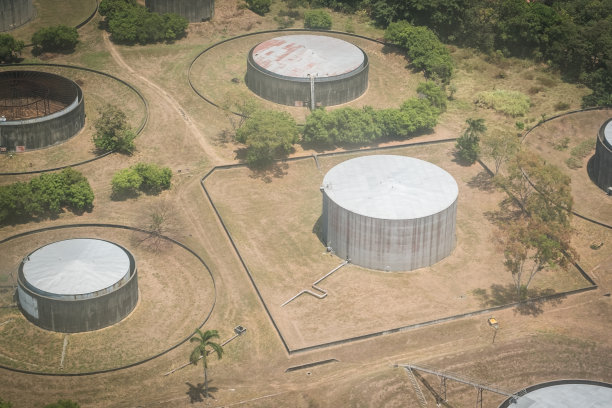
(579, 152)
(511, 103)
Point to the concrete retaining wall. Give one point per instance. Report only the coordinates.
(194, 11)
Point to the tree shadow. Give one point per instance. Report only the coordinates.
(196, 392)
(483, 181)
(532, 303)
(504, 215)
(461, 161)
(267, 172)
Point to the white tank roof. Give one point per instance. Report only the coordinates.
(608, 133)
(566, 396)
(390, 187)
(299, 55)
(76, 266)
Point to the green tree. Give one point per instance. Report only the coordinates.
(112, 132)
(56, 38)
(317, 19)
(63, 403)
(434, 94)
(260, 7)
(468, 144)
(267, 135)
(5, 404)
(10, 48)
(200, 352)
(154, 178)
(499, 146)
(110, 8)
(125, 183)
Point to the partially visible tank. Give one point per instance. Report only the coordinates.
(15, 13)
(38, 109)
(563, 394)
(194, 11)
(602, 162)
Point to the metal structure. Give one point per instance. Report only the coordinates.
(39, 109)
(440, 396)
(15, 13)
(303, 70)
(194, 11)
(563, 394)
(77, 285)
(390, 213)
(602, 161)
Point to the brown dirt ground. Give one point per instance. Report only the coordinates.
(568, 339)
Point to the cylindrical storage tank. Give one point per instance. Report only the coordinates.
(77, 285)
(563, 394)
(390, 213)
(193, 11)
(15, 13)
(38, 109)
(602, 162)
(290, 69)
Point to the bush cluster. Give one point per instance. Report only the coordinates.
(10, 48)
(112, 131)
(146, 177)
(130, 23)
(423, 49)
(351, 126)
(59, 38)
(45, 195)
(512, 103)
(260, 7)
(317, 19)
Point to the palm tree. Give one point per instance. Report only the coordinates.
(201, 351)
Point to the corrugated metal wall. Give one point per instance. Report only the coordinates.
(602, 163)
(394, 245)
(73, 316)
(194, 11)
(14, 13)
(296, 91)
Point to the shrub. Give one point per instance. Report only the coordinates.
(112, 132)
(56, 38)
(317, 19)
(561, 106)
(511, 103)
(141, 177)
(10, 48)
(435, 94)
(260, 7)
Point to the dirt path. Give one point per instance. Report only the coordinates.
(204, 143)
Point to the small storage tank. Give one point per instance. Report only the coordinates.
(38, 109)
(77, 285)
(389, 212)
(15, 13)
(602, 162)
(563, 394)
(293, 69)
(193, 11)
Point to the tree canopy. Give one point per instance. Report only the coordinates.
(10, 48)
(56, 38)
(112, 131)
(146, 177)
(467, 145)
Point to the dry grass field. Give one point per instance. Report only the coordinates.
(272, 216)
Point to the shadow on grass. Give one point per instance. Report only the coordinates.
(196, 392)
(269, 171)
(482, 181)
(532, 303)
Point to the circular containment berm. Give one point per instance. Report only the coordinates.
(38, 109)
(391, 213)
(194, 11)
(563, 394)
(311, 70)
(15, 13)
(602, 162)
(77, 285)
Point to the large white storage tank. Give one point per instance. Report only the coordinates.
(389, 212)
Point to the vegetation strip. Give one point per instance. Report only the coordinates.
(125, 227)
(384, 332)
(132, 87)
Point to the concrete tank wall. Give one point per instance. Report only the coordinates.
(194, 11)
(292, 91)
(52, 129)
(15, 13)
(393, 245)
(73, 316)
(602, 162)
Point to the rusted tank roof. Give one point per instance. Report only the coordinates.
(299, 55)
(390, 187)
